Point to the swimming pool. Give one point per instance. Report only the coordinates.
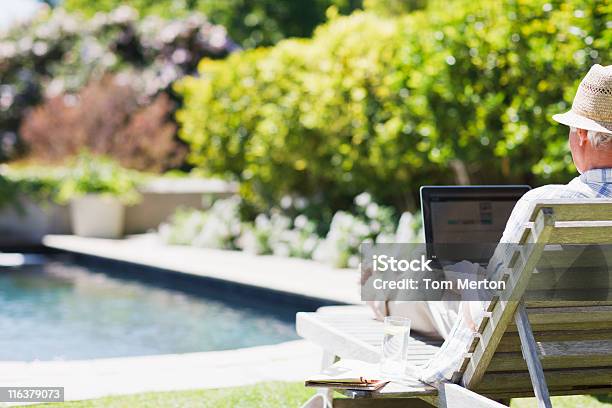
(62, 310)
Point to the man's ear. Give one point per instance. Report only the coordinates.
(583, 137)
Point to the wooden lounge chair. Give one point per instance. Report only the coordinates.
(522, 347)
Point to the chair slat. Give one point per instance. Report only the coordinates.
(565, 303)
(577, 210)
(353, 341)
(312, 327)
(582, 232)
(556, 379)
(560, 256)
(559, 355)
(603, 325)
(511, 342)
(581, 314)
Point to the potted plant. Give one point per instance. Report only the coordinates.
(97, 189)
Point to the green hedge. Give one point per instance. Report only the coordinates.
(39, 184)
(461, 91)
(250, 22)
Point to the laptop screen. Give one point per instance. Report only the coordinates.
(467, 214)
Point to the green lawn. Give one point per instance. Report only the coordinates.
(269, 395)
(573, 401)
(263, 395)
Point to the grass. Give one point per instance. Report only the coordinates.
(271, 395)
(572, 401)
(263, 395)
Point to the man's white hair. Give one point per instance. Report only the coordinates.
(598, 139)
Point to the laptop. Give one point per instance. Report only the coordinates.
(466, 222)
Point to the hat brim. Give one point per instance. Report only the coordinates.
(572, 119)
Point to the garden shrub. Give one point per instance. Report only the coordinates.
(250, 22)
(90, 174)
(460, 92)
(40, 184)
(279, 235)
(84, 174)
(274, 232)
(393, 7)
(107, 117)
(218, 227)
(59, 54)
(369, 222)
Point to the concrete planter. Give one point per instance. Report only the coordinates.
(97, 216)
(25, 226)
(160, 198)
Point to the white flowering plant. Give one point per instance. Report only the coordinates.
(183, 227)
(370, 223)
(277, 234)
(300, 241)
(218, 227)
(258, 237)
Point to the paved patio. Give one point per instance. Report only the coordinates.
(86, 379)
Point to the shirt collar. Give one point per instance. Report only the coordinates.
(597, 176)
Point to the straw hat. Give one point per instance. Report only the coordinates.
(592, 106)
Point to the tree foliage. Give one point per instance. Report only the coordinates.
(252, 23)
(58, 54)
(107, 117)
(461, 91)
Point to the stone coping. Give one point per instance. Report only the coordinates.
(85, 379)
(289, 275)
(185, 185)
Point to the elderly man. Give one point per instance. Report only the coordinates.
(590, 142)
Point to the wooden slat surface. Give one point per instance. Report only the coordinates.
(335, 339)
(357, 336)
(571, 283)
(580, 314)
(511, 342)
(558, 355)
(556, 379)
(380, 403)
(569, 318)
(586, 390)
(455, 396)
(575, 255)
(409, 386)
(566, 303)
(577, 210)
(582, 232)
(541, 327)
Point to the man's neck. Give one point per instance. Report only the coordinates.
(600, 160)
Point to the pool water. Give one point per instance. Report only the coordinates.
(63, 311)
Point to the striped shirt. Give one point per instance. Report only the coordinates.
(595, 183)
(592, 184)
